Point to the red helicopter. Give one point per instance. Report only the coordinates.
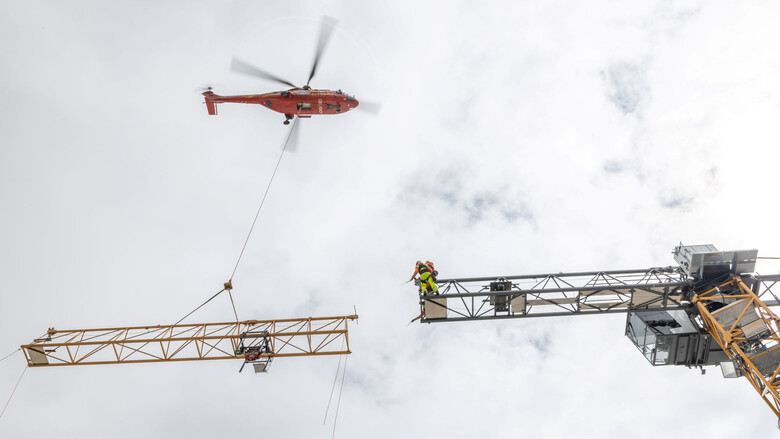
(303, 102)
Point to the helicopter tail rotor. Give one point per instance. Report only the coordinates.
(204, 88)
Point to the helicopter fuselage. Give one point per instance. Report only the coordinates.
(300, 102)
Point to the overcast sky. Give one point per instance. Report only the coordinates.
(514, 137)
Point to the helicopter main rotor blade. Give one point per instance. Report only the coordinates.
(326, 30)
(239, 66)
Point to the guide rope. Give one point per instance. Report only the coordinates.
(9, 355)
(338, 403)
(335, 379)
(14, 391)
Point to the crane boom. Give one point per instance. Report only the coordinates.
(710, 309)
(554, 294)
(251, 340)
(580, 293)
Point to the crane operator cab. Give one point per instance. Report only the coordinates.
(672, 337)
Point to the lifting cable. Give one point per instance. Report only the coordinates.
(292, 129)
(229, 284)
(14, 391)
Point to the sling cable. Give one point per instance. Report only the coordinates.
(256, 342)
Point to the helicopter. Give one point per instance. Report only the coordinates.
(301, 102)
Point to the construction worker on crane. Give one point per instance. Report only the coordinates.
(427, 277)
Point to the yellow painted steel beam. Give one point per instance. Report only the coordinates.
(310, 336)
(746, 312)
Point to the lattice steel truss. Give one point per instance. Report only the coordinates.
(206, 341)
(559, 294)
(748, 331)
(555, 294)
(674, 313)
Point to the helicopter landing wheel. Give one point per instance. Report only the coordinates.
(286, 122)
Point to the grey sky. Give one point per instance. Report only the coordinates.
(504, 146)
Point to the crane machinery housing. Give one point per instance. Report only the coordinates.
(709, 309)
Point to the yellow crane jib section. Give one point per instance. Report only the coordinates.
(186, 342)
(748, 331)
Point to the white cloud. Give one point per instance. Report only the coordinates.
(499, 150)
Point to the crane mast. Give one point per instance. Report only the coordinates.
(709, 309)
(748, 332)
(255, 341)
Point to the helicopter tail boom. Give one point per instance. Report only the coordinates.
(211, 106)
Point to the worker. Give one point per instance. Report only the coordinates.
(427, 280)
(434, 273)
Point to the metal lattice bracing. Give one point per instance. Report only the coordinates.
(557, 294)
(748, 331)
(207, 341)
(560, 294)
(765, 287)
(710, 309)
